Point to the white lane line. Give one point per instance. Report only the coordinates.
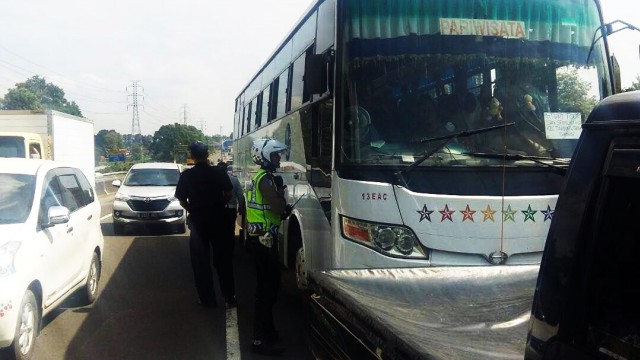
(233, 339)
(105, 217)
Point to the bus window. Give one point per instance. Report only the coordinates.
(283, 81)
(297, 84)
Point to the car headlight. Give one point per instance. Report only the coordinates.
(172, 198)
(122, 197)
(394, 240)
(7, 255)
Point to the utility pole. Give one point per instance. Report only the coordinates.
(135, 119)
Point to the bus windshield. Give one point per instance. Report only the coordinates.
(416, 72)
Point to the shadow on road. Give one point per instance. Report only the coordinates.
(147, 309)
(140, 230)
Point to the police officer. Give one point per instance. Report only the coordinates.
(203, 192)
(266, 206)
(233, 207)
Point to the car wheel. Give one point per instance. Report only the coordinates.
(26, 328)
(118, 229)
(181, 228)
(90, 288)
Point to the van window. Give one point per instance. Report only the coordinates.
(88, 196)
(72, 196)
(12, 147)
(34, 151)
(51, 196)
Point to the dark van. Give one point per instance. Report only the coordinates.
(587, 298)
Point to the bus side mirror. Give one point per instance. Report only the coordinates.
(617, 86)
(315, 72)
(318, 73)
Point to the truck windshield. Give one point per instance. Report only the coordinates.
(12, 146)
(152, 177)
(417, 70)
(16, 197)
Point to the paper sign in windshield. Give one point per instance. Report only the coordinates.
(561, 125)
(481, 27)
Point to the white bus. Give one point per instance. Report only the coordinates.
(425, 132)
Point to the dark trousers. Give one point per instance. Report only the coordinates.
(229, 228)
(267, 286)
(201, 244)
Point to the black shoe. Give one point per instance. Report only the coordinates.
(265, 347)
(231, 302)
(208, 304)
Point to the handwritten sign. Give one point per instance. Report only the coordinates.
(561, 125)
(481, 27)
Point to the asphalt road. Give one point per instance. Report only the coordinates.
(146, 308)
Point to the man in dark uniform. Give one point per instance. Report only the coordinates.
(234, 207)
(203, 191)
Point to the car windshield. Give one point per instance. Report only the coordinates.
(16, 197)
(152, 177)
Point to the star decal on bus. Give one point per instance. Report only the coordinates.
(467, 214)
(548, 214)
(446, 213)
(425, 213)
(488, 214)
(528, 214)
(509, 214)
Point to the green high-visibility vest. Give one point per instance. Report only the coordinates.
(260, 218)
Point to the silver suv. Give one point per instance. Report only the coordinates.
(145, 197)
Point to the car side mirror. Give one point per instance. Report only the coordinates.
(116, 183)
(57, 215)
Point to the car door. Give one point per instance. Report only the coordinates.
(93, 212)
(52, 242)
(80, 216)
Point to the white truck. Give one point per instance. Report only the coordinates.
(48, 135)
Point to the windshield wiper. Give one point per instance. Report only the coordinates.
(506, 156)
(446, 139)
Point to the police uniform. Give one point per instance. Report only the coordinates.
(203, 187)
(266, 206)
(235, 205)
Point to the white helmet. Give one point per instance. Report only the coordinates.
(263, 148)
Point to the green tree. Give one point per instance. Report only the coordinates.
(106, 140)
(573, 93)
(636, 84)
(169, 136)
(37, 94)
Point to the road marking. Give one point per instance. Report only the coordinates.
(233, 339)
(105, 217)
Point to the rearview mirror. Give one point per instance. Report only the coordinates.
(57, 215)
(116, 183)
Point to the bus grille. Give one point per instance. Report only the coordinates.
(150, 205)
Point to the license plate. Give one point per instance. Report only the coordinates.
(148, 215)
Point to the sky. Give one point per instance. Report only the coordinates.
(189, 56)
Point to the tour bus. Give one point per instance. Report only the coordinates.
(424, 132)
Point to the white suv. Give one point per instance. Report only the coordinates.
(50, 245)
(146, 197)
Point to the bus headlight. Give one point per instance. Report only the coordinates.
(385, 238)
(405, 244)
(392, 240)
